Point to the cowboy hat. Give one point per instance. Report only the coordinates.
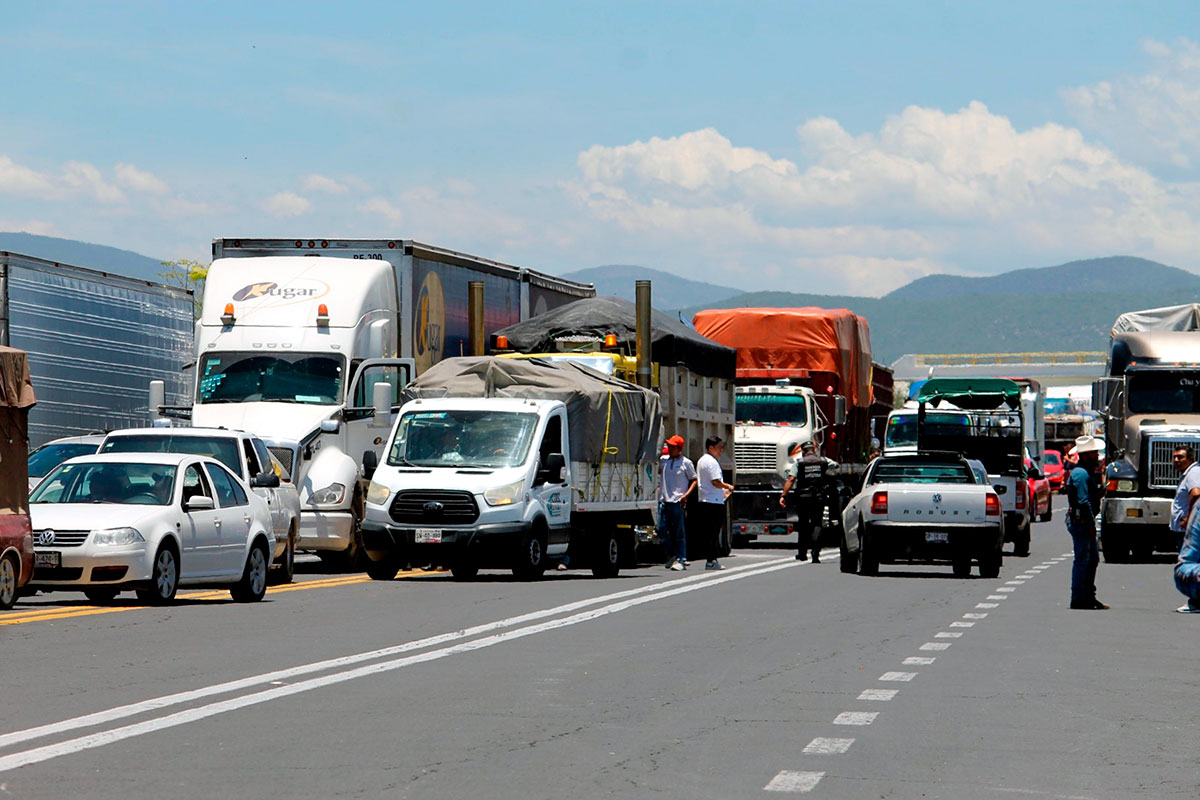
(1087, 444)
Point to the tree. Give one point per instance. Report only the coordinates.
(187, 274)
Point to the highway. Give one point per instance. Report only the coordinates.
(772, 677)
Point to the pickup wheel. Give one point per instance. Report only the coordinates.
(530, 559)
(606, 554)
(989, 564)
(285, 570)
(849, 560)
(1021, 542)
(868, 559)
(961, 566)
(464, 569)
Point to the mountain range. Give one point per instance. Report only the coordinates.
(1068, 307)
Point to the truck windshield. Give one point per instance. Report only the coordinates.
(1164, 392)
(772, 409)
(902, 428)
(271, 377)
(488, 439)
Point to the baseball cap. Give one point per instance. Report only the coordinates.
(675, 441)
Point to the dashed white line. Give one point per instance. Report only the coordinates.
(974, 616)
(948, 635)
(1014, 583)
(855, 718)
(898, 676)
(822, 746)
(789, 781)
(882, 695)
(935, 646)
(1006, 589)
(987, 605)
(962, 624)
(916, 661)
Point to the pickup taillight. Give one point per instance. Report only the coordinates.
(879, 503)
(992, 505)
(1022, 486)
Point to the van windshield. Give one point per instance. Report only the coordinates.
(489, 439)
(314, 378)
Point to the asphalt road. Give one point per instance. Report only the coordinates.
(773, 676)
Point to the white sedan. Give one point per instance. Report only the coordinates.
(151, 522)
(923, 507)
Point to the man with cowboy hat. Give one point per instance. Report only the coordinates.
(1083, 496)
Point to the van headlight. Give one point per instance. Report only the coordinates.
(504, 495)
(331, 495)
(116, 536)
(377, 493)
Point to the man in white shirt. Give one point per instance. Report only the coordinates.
(1188, 490)
(677, 480)
(713, 491)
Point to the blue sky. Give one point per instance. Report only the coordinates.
(843, 148)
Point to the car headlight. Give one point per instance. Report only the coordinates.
(117, 536)
(377, 494)
(331, 495)
(504, 495)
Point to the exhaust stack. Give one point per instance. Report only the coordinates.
(643, 334)
(475, 342)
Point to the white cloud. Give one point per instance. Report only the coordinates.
(18, 179)
(37, 226)
(1153, 117)
(322, 184)
(137, 180)
(286, 204)
(84, 178)
(381, 207)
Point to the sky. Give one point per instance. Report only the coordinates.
(836, 148)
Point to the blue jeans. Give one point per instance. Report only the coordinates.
(1087, 558)
(1187, 569)
(676, 542)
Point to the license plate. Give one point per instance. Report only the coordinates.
(428, 536)
(931, 536)
(51, 559)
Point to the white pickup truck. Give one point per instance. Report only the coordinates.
(923, 507)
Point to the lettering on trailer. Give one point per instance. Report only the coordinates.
(270, 294)
(429, 323)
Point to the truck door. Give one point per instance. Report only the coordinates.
(366, 429)
(553, 491)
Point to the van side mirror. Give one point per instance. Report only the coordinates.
(370, 463)
(265, 480)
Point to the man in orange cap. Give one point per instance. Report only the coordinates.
(676, 481)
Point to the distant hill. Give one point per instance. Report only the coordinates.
(1094, 275)
(82, 254)
(668, 291)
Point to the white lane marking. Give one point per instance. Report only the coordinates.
(1014, 583)
(962, 624)
(974, 616)
(898, 676)
(822, 746)
(916, 661)
(935, 646)
(121, 712)
(789, 781)
(987, 605)
(997, 597)
(1006, 589)
(855, 718)
(882, 695)
(101, 738)
(948, 635)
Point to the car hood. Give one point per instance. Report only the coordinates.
(89, 516)
(275, 421)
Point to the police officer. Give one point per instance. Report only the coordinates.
(807, 475)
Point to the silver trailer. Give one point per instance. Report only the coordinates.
(95, 341)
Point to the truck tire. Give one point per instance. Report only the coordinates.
(384, 569)
(464, 569)
(529, 562)
(868, 560)
(606, 554)
(1114, 544)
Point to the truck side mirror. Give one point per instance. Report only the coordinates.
(839, 410)
(265, 480)
(329, 426)
(381, 400)
(370, 463)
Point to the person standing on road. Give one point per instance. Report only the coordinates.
(1187, 566)
(807, 475)
(1083, 496)
(677, 480)
(713, 491)
(1188, 489)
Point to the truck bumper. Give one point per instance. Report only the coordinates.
(1136, 511)
(487, 545)
(905, 542)
(325, 530)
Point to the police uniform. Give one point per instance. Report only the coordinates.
(808, 496)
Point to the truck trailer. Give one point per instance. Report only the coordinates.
(308, 342)
(93, 342)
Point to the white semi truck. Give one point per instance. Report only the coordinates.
(308, 342)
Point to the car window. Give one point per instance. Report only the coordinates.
(228, 491)
(222, 448)
(913, 472)
(49, 456)
(269, 462)
(194, 483)
(253, 464)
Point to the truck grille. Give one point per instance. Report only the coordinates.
(434, 507)
(285, 456)
(1162, 468)
(61, 539)
(755, 456)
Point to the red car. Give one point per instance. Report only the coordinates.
(1042, 503)
(1052, 468)
(16, 557)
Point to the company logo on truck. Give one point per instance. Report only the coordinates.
(272, 294)
(429, 323)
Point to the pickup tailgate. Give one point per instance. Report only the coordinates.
(938, 504)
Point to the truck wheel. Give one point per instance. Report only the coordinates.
(1114, 545)
(530, 560)
(868, 561)
(989, 563)
(384, 569)
(464, 569)
(606, 555)
(849, 560)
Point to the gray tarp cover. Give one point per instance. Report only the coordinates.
(672, 342)
(1168, 318)
(609, 419)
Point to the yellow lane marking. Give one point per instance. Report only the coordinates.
(50, 614)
